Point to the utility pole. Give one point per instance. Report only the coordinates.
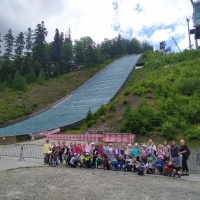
(190, 46)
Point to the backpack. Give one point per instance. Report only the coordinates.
(188, 152)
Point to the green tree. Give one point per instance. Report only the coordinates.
(106, 48)
(29, 40)
(0, 43)
(146, 46)
(19, 82)
(86, 51)
(19, 44)
(134, 46)
(6, 69)
(8, 44)
(57, 47)
(31, 77)
(67, 51)
(39, 43)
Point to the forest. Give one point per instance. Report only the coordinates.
(27, 58)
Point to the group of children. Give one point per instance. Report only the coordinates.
(147, 159)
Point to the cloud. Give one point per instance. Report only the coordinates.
(153, 20)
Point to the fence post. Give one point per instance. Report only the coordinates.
(21, 158)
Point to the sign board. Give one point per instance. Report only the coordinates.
(110, 137)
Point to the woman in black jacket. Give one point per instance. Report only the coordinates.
(183, 150)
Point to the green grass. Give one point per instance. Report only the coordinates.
(15, 105)
(163, 98)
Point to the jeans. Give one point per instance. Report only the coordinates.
(176, 160)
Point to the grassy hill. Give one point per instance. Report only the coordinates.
(160, 100)
(16, 105)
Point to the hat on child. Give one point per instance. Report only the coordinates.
(144, 145)
(129, 145)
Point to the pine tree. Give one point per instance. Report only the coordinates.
(0, 43)
(57, 47)
(29, 40)
(9, 42)
(67, 50)
(19, 82)
(39, 43)
(19, 44)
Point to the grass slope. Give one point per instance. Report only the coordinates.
(16, 105)
(162, 100)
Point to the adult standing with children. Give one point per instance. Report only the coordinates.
(46, 151)
(184, 151)
(174, 152)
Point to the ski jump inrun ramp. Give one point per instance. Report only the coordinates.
(92, 95)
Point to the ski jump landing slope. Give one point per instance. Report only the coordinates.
(92, 95)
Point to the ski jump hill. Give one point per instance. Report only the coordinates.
(99, 90)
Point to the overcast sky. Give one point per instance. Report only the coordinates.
(151, 20)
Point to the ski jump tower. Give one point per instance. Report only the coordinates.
(196, 20)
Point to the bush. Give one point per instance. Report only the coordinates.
(112, 107)
(102, 110)
(168, 130)
(192, 133)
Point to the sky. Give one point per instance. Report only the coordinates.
(150, 20)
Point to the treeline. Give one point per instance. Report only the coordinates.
(28, 58)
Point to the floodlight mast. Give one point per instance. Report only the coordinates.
(176, 43)
(190, 46)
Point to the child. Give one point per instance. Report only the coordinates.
(74, 161)
(114, 164)
(171, 169)
(149, 166)
(136, 152)
(55, 157)
(95, 154)
(135, 163)
(86, 160)
(81, 160)
(121, 163)
(69, 156)
(140, 167)
(159, 164)
(128, 163)
(160, 152)
(144, 153)
(99, 162)
(105, 162)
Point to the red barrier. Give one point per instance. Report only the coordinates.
(117, 138)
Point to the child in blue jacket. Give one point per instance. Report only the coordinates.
(159, 164)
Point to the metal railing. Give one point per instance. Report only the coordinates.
(22, 151)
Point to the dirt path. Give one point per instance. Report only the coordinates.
(66, 183)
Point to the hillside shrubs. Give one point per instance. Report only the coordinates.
(173, 81)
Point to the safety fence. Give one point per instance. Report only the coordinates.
(35, 151)
(22, 151)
